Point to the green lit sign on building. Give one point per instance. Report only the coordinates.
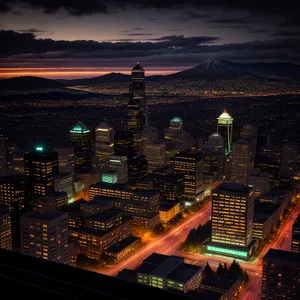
(39, 149)
(227, 251)
(109, 178)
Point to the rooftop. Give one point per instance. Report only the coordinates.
(127, 275)
(106, 215)
(98, 201)
(167, 205)
(225, 115)
(176, 120)
(47, 216)
(116, 248)
(219, 282)
(281, 255)
(167, 266)
(156, 258)
(232, 187)
(80, 128)
(145, 268)
(103, 125)
(138, 67)
(184, 272)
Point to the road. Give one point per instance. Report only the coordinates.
(167, 243)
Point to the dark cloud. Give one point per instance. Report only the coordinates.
(139, 34)
(191, 16)
(259, 31)
(25, 48)
(234, 21)
(32, 30)
(137, 28)
(287, 33)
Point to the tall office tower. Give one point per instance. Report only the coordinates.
(135, 123)
(64, 182)
(288, 159)
(104, 144)
(119, 164)
(17, 162)
(296, 236)
(51, 202)
(137, 169)
(181, 139)
(189, 165)
(260, 182)
(249, 132)
(15, 192)
(81, 140)
(149, 135)
(169, 185)
(217, 141)
(210, 163)
(232, 221)
(45, 235)
(156, 155)
(137, 88)
(241, 156)
(66, 162)
(3, 156)
(5, 228)
(266, 164)
(281, 275)
(41, 167)
(124, 143)
(225, 129)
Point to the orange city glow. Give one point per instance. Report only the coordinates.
(72, 72)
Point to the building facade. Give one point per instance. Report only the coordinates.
(225, 129)
(5, 228)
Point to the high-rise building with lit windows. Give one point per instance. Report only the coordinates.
(45, 235)
(295, 247)
(137, 88)
(181, 139)
(189, 165)
(5, 228)
(41, 167)
(135, 123)
(225, 129)
(124, 143)
(51, 202)
(81, 141)
(137, 169)
(281, 275)
(104, 144)
(232, 221)
(156, 155)
(119, 164)
(249, 133)
(288, 159)
(241, 161)
(65, 159)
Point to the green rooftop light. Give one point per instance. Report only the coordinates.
(39, 148)
(227, 251)
(176, 119)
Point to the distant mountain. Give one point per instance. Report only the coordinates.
(209, 69)
(28, 83)
(111, 77)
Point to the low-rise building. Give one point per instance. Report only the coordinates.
(168, 210)
(123, 248)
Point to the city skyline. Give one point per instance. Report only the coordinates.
(71, 40)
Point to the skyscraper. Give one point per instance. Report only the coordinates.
(137, 168)
(288, 159)
(249, 133)
(281, 275)
(295, 247)
(189, 165)
(175, 134)
(137, 88)
(104, 144)
(156, 155)
(45, 235)
(241, 157)
(41, 167)
(124, 143)
(65, 159)
(119, 164)
(51, 202)
(5, 228)
(232, 221)
(135, 123)
(80, 137)
(225, 129)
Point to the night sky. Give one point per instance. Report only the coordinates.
(58, 39)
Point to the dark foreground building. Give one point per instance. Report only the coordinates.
(35, 278)
(281, 275)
